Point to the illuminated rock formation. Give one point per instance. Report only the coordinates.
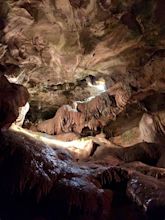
(65, 120)
(122, 93)
(22, 114)
(93, 113)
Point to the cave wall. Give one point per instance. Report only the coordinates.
(51, 45)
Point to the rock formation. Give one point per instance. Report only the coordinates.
(56, 44)
(22, 114)
(55, 186)
(95, 71)
(51, 181)
(150, 195)
(93, 113)
(65, 120)
(152, 127)
(144, 152)
(12, 97)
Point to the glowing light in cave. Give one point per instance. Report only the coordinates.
(80, 147)
(97, 87)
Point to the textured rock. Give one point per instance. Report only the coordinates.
(55, 43)
(22, 114)
(158, 173)
(60, 50)
(152, 127)
(144, 152)
(50, 180)
(93, 113)
(65, 120)
(46, 181)
(98, 111)
(148, 193)
(12, 97)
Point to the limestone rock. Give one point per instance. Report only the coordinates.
(12, 97)
(152, 127)
(57, 43)
(148, 193)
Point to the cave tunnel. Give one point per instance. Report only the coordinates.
(82, 110)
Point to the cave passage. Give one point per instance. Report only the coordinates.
(82, 110)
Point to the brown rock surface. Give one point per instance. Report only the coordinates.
(12, 96)
(152, 127)
(51, 181)
(56, 44)
(148, 193)
(46, 181)
(67, 136)
(93, 113)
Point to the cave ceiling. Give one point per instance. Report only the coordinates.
(51, 46)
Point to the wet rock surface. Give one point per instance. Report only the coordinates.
(46, 181)
(148, 193)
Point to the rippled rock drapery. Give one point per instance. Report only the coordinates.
(87, 114)
(65, 120)
(93, 113)
(97, 112)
